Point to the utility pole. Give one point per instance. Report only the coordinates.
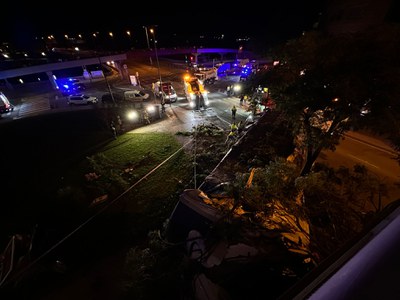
(158, 63)
(147, 37)
(99, 58)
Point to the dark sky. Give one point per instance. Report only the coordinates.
(275, 20)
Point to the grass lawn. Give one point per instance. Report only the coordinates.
(118, 169)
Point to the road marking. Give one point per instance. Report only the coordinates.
(372, 145)
(364, 161)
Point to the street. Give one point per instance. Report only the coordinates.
(372, 152)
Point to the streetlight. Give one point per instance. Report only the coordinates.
(158, 64)
(147, 37)
(100, 64)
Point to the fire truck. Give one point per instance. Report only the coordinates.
(195, 92)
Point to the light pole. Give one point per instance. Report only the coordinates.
(158, 64)
(100, 65)
(147, 37)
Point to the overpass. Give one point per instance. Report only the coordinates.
(195, 52)
(119, 59)
(49, 68)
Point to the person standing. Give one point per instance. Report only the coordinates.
(228, 90)
(231, 138)
(113, 129)
(233, 112)
(234, 127)
(241, 99)
(120, 128)
(146, 117)
(162, 106)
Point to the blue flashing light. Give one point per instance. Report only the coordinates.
(68, 85)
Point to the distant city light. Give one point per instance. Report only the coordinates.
(80, 36)
(76, 48)
(128, 32)
(111, 34)
(66, 36)
(6, 55)
(26, 54)
(43, 54)
(38, 78)
(20, 80)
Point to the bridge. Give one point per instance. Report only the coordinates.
(223, 53)
(49, 68)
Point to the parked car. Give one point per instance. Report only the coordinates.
(136, 96)
(81, 99)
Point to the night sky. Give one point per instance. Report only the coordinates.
(274, 21)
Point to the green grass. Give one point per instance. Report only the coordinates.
(123, 162)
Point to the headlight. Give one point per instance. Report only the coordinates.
(237, 88)
(150, 108)
(132, 115)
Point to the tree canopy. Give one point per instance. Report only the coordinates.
(329, 84)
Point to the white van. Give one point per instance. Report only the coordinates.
(135, 96)
(5, 105)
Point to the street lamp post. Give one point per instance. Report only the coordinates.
(100, 65)
(158, 64)
(147, 37)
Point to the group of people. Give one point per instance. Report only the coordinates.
(116, 127)
(236, 128)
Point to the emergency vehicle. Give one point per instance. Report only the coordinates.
(195, 92)
(207, 76)
(166, 91)
(5, 105)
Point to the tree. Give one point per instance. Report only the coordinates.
(327, 85)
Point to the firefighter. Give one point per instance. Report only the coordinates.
(234, 127)
(234, 112)
(231, 138)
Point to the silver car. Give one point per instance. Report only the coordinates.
(82, 99)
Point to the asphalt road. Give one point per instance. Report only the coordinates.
(374, 153)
